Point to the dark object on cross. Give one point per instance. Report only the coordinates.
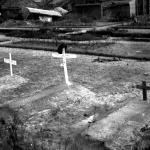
(144, 88)
(61, 47)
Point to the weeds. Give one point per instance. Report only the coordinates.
(12, 133)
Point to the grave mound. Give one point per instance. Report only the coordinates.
(65, 107)
(55, 111)
(10, 82)
(73, 99)
(78, 96)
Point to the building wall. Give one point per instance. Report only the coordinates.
(142, 7)
(90, 11)
(103, 9)
(117, 12)
(86, 1)
(132, 4)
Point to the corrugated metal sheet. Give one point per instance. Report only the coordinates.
(61, 10)
(44, 12)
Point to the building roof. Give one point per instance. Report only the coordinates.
(61, 10)
(44, 12)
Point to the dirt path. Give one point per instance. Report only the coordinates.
(49, 91)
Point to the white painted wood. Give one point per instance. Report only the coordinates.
(65, 69)
(65, 56)
(44, 12)
(68, 56)
(11, 62)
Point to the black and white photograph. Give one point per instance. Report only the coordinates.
(74, 74)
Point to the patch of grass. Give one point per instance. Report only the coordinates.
(95, 48)
(84, 37)
(54, 34)
(42, 34)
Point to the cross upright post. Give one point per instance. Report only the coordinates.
(11, 72)
(144, 88)
(65, 68)
(62, 54)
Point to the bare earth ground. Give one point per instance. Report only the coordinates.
(10, 82)
(98, 88)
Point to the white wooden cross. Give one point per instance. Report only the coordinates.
(65, 56)
(11, 62)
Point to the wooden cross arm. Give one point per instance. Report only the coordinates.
(142, 87)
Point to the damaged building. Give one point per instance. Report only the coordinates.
(45, 15)
(95, 9)
(32, 10)
(112, 9)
